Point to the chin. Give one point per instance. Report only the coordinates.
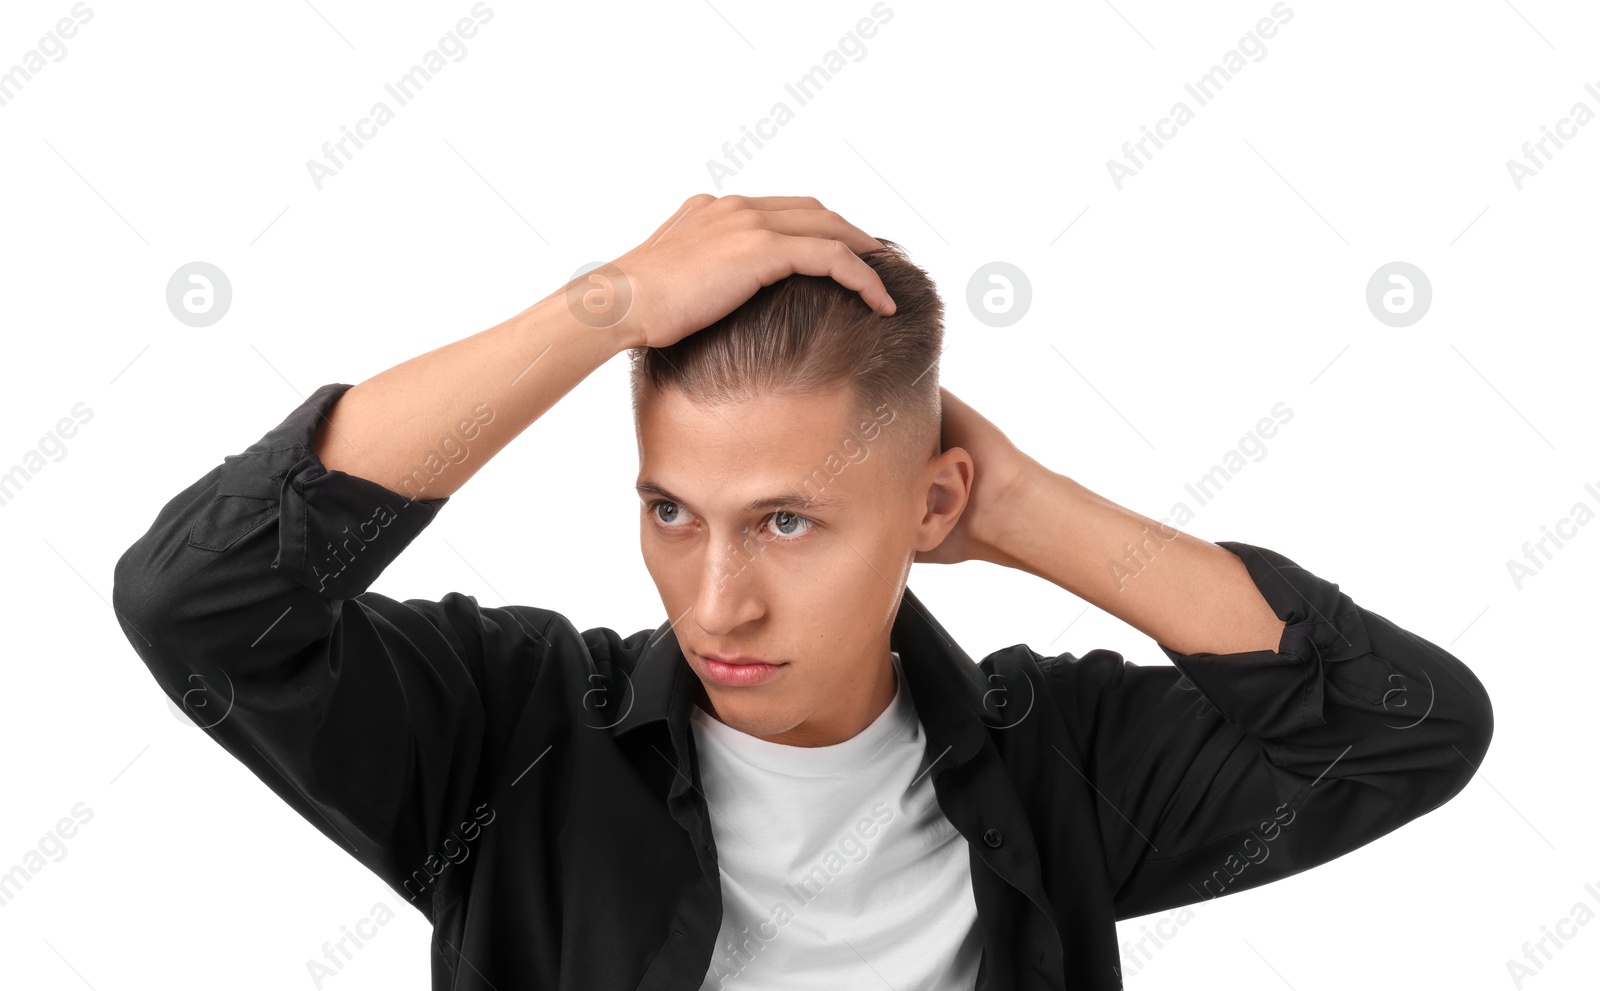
(755, 720)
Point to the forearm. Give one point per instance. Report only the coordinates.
(425, 426)
(1186, 593)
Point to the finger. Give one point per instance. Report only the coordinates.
(822, 256)
(775, 202)
(821, 223)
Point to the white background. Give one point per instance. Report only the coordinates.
(1167, 318)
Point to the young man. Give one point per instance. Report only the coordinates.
(798, 779)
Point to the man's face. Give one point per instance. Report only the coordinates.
(813, 589)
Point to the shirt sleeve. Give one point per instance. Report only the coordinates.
(1225, 772)
(247, 600)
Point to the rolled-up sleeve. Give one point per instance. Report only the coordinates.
(1227, 771)
(248, 600)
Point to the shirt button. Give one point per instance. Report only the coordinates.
(992, 837)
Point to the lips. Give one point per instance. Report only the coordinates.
(734, 660)
(739, 672)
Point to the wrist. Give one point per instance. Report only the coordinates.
(559, 310)
(1006, 532)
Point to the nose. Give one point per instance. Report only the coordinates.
(728, 595)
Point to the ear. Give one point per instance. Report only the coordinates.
(943, 488)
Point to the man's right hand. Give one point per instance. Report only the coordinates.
(715, 252)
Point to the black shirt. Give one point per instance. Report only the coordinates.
(533, 789)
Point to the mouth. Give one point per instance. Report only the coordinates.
(739, 672)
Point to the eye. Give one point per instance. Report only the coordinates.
(793, 519)
(787, 519)
(656, 518)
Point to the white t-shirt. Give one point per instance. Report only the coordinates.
(838, 867)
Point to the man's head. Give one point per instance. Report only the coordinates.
(802, 393)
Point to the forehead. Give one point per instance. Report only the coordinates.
(769, 445)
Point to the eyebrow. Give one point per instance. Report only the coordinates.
(653, 487)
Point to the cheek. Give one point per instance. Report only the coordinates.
(672, 568)
(656, 560)
(886, 543)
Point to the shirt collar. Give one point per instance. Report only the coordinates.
(953, 697)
